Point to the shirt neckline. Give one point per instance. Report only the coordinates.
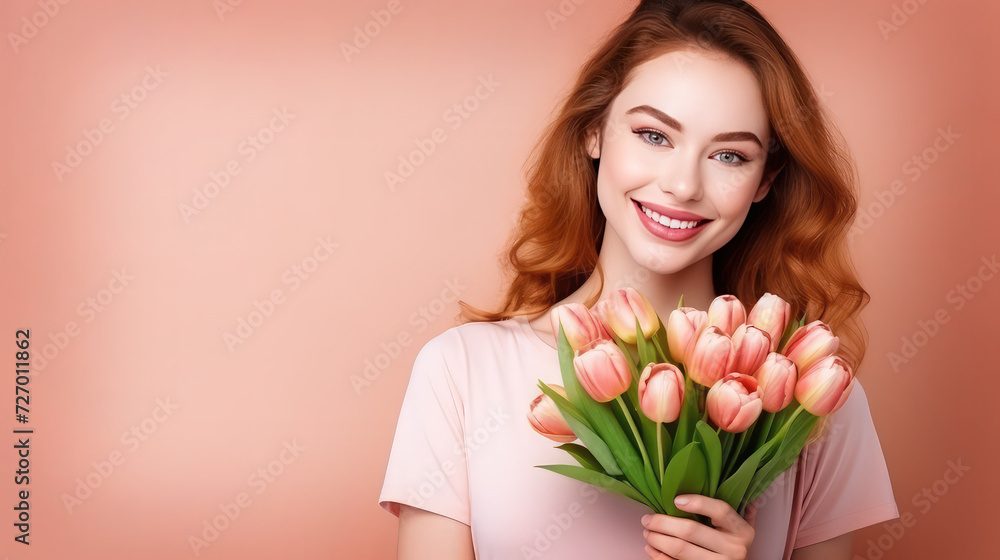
(530, 333)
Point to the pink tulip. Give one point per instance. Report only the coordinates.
(546, 419)
(602, 369)
(750, 348)
(727, 313)
(771, 314)
(825, 386)
(600, 310)
(624, 307)
(707, 362)
(810, 344)
(661, 392)
(580, 324)
(776, 379)
(734, 402)
(684, 324)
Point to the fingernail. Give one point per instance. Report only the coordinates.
(645, 519)
(678, 501)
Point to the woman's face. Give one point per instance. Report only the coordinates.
(682, 158)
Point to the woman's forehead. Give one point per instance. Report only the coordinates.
(706, 92)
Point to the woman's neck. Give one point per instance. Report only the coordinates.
(662, 290)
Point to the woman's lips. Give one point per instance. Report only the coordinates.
(671, 213)
(669, 233)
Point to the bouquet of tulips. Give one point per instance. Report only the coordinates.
(706, 405)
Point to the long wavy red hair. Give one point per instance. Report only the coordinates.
(793, 243)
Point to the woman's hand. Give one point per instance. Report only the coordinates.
(675, 538)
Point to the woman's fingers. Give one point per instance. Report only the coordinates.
(677, 538)
(723, 516)
(687, 530)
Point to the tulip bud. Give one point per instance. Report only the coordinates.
(770, 314)
(734, 402)
(727, 313)
(825, 386)
(547, 420)
(809, 344)
(750, 348)
(624, 307)
(661, 392)
(580, 325)
(776, 379)
(602, 369)
(684, 324)
(708, 360)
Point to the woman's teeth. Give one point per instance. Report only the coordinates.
(673, 224)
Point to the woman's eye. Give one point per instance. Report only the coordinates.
(652, 137)
(732, 158)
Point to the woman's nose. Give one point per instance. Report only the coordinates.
(682, 178)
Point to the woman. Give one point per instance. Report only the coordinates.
(690, 158)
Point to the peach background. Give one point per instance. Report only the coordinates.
(322, 176)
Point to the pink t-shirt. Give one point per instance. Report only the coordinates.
(464, 449)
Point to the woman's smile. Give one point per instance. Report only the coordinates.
(672, 225)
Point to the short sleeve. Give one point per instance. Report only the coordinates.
(427, 466)
(845, 481)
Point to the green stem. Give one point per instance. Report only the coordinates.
(733, 461)
(726, 439)
(659, 450)
(635, 432)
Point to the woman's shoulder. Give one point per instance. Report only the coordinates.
(476, 339)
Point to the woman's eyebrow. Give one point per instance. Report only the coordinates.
(674, 124)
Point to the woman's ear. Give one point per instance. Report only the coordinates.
(765, 183)
(594, 144)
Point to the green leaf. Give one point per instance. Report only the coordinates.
(600, 480)
(713, 454)
(733, 457)
(734, 488)
(600, 450)
(602, 418)
(654, 485)
(685, 474)
(667, 444)
(660, 341)
(582, 456)
(789, 449)
(646, 353)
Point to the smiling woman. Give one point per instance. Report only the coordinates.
(690, 158)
